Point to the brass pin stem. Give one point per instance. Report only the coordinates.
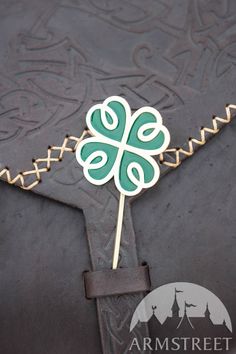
(118, 231)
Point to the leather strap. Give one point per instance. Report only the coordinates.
(119, 281)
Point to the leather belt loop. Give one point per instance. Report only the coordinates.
(118, 281)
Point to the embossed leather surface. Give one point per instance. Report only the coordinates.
(58, 58)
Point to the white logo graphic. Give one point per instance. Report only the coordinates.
(184, 317)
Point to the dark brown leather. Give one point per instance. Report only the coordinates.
(176, 56)
(119, 281)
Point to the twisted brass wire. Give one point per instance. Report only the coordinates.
(177, 155)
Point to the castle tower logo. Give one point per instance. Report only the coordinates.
(182, 317)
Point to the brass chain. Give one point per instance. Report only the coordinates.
(172, 157)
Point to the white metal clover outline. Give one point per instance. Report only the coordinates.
(123, 146)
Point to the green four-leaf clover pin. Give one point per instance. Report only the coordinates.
(122, 145)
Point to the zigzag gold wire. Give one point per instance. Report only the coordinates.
(42, 165)
(179, 154)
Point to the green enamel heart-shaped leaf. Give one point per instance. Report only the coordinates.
(122, 145)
